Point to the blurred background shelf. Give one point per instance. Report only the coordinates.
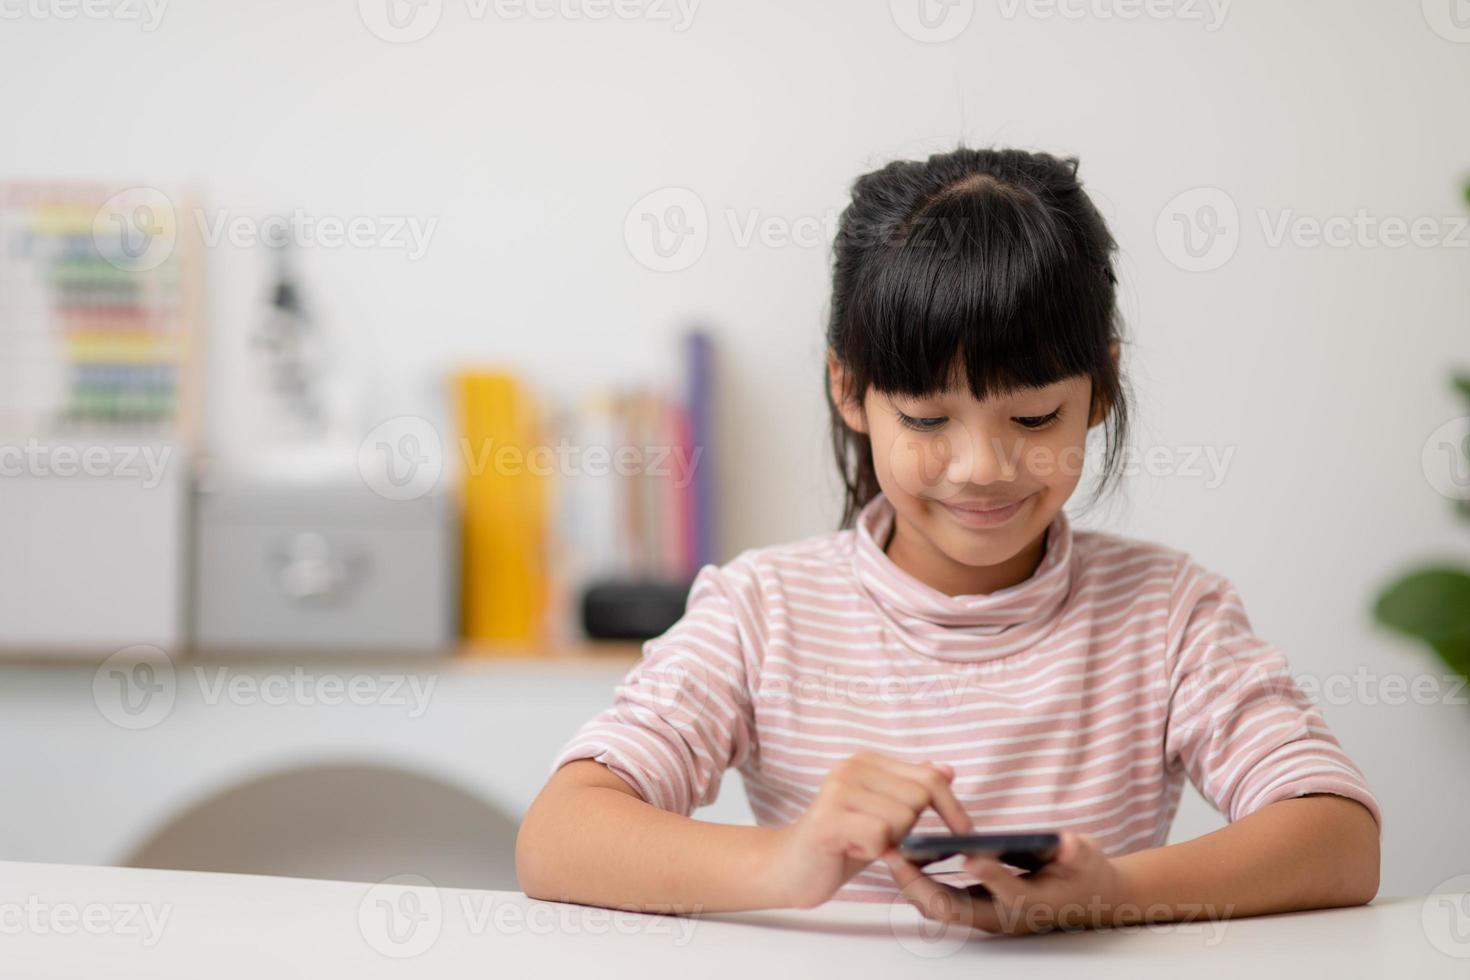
(466, 658)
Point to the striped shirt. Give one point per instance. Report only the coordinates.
(1079, 698)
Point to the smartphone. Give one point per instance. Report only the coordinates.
(1029, 852)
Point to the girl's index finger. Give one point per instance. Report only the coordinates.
(936, 779)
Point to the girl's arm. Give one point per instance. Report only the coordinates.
(590, 838)
(613, 827)
(1317, 851)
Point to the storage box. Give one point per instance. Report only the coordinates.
(324, 567)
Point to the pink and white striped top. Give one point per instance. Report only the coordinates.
(1079, 698)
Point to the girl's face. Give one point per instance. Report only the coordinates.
(974, 484)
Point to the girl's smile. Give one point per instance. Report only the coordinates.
(982, 515)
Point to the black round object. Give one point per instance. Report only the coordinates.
(632, 609)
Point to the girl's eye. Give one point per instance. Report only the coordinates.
(1038, 421)
(922, 425)
(930, 424)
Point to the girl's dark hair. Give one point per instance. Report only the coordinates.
(994, 256)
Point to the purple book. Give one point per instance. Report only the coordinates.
(699, 397)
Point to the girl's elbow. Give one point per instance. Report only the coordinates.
(532, 872)
(1349, 853)
(1362, 884)
(1364, 888)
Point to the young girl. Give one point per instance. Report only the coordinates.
(958, 657)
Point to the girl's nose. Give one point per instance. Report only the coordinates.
(980, 458)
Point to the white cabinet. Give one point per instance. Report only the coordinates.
(112, 544)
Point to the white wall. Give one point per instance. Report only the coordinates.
(530, 140)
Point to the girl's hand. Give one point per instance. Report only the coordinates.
(1081, 888)
(867, 803)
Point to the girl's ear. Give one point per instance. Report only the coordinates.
(837, 386)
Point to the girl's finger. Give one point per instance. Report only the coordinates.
(940, 902)
(915, 796)
(898, 815)
(861, 836)
(1003, 884)
(1074, 851)
(938, 792)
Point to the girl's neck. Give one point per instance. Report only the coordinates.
(919, 557)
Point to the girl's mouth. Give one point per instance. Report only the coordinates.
(971, 516)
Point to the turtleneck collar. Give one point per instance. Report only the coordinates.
(961, 627)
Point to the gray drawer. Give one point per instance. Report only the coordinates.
(324, 568)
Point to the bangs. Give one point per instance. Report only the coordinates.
(984, 275)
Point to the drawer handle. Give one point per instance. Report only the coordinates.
(307, 569)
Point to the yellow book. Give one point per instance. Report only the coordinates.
(504, 514)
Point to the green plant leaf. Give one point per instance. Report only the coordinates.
(1462, 382)
(1457, 655)
(1432, 604)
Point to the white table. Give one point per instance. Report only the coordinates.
(67, 920)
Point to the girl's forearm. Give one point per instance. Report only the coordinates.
(589, 838)
(1309, 852)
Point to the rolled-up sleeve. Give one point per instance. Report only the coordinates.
(1237, 721)
(683, 714)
